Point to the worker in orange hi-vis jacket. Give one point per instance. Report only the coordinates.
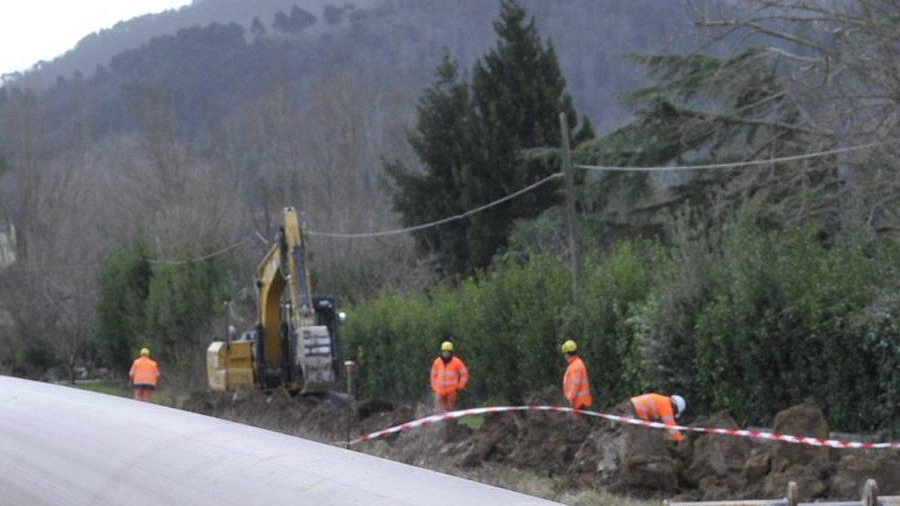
(144, 376)
(448, 376)
(576, 386)
(660, 408)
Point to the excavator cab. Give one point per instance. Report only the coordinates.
(295, 342)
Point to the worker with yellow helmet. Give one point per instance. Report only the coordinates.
(449, 375)
(144, 375)
(576, 386)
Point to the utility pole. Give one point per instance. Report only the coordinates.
(570, 202)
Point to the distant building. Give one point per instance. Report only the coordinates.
(7, 245)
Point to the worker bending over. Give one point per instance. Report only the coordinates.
(576, 386)
(660, 408)
(144, 376)
(448, 376)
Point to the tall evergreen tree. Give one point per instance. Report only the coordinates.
(124, 287)
(257, 29)
(518, 92)
(470, 141)
(442, 143)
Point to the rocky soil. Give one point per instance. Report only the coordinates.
(582, 455)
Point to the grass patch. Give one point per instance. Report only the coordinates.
(163, 396)
(473, 422)
(104, 387)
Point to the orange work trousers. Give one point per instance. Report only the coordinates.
(143, 393)
(445, 402)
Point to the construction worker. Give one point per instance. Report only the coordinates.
(660, 408)
(448, 376)
(576, 386)
(144, 376)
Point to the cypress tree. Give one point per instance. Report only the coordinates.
(518, 92)
(469, 138)
(442, 143)
(124, 286)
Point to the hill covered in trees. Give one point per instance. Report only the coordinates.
(193, 137)
(96, 49)
(140, 191)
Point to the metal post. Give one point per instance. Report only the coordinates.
(792, 496)
(349, 365)
(227, 340)
(870, 493)
(570, 202)
(227, 323)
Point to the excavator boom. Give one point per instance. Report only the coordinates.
(295, 341)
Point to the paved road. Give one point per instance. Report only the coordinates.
(64, 446)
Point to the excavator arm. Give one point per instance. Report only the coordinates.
(295, 340)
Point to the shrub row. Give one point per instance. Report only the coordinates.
(764, 320)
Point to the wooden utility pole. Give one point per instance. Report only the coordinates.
(570, 202)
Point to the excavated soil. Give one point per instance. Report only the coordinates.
(571, 455)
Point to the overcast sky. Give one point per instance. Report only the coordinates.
(34, 30)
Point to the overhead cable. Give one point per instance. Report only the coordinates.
(222, 251)
(151, 261)
(729, 165)
(441, 221)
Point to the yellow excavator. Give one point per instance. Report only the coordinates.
(295, 342)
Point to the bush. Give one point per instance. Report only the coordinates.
(760, 321)
(602, 322)
(503, 327)
(790, 319)
(167, 306)
(124, 285)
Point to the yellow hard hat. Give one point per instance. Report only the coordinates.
(145, 352)
(569, 346)
(446, 346)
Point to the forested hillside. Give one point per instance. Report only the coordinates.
(189, 141)
(96, 49)
(142, 191)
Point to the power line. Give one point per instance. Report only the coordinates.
(441, 221)
(38, 268)
(214, 254)
(609, 168)
(729, 165)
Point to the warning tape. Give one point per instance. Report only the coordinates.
(757, 434)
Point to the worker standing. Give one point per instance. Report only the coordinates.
(576, 386)
(448, 376)
(144, 376)
(660, 408)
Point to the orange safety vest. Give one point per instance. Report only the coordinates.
(576, 386)
(656, 407)
(144, 372)
(450, 377)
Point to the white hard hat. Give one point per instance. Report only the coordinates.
(680, 404)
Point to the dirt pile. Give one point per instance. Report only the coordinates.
(583, 453)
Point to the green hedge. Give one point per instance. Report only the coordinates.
(790, 320)
(503, 327)
(761, 321)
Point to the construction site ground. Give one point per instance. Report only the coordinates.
(580, 461)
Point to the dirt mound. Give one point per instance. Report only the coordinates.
(579, 453)
(809, 466)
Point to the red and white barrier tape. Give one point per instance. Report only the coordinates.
(806, 440)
